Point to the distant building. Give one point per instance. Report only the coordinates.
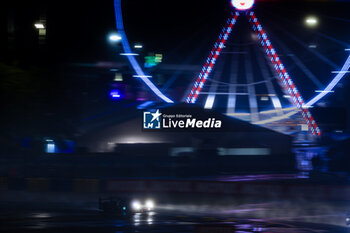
(242, 144)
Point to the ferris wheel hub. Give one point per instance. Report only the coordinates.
(242, 5)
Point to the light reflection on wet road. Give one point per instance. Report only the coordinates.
(167, 219)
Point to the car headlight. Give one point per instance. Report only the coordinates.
(347, 219)
(136, 205)
(150, 204)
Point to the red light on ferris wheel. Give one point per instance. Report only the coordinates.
(242, 5)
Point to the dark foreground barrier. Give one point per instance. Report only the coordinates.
(214, 229)
(258, 189)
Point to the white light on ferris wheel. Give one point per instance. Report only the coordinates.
(242, 5)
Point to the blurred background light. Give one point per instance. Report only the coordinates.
(114, 37)
(115, 94)
(50, 147)
(129, 54)
(138, 46)
(311, 21)
(39, 25)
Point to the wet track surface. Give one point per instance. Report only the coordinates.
(17, 219)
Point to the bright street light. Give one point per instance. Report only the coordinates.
(129, 54)
(39, 26)
(311, 21)
(114, 37)
(138, 46)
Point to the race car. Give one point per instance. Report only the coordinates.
(121, 206)
(113, 205)
(140, 207)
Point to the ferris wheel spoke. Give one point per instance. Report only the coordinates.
(314, 52)
(265, 73)
(232, 98)
(211, 60)
(301, 66)
(284, 76)
(214, 88)
(253, 103)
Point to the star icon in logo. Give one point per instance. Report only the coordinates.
(156, 116)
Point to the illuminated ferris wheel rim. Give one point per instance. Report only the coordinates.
(133, 62)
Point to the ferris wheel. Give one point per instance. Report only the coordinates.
(209, 86)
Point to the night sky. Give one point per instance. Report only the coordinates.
(78, 29)
(81, 27)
